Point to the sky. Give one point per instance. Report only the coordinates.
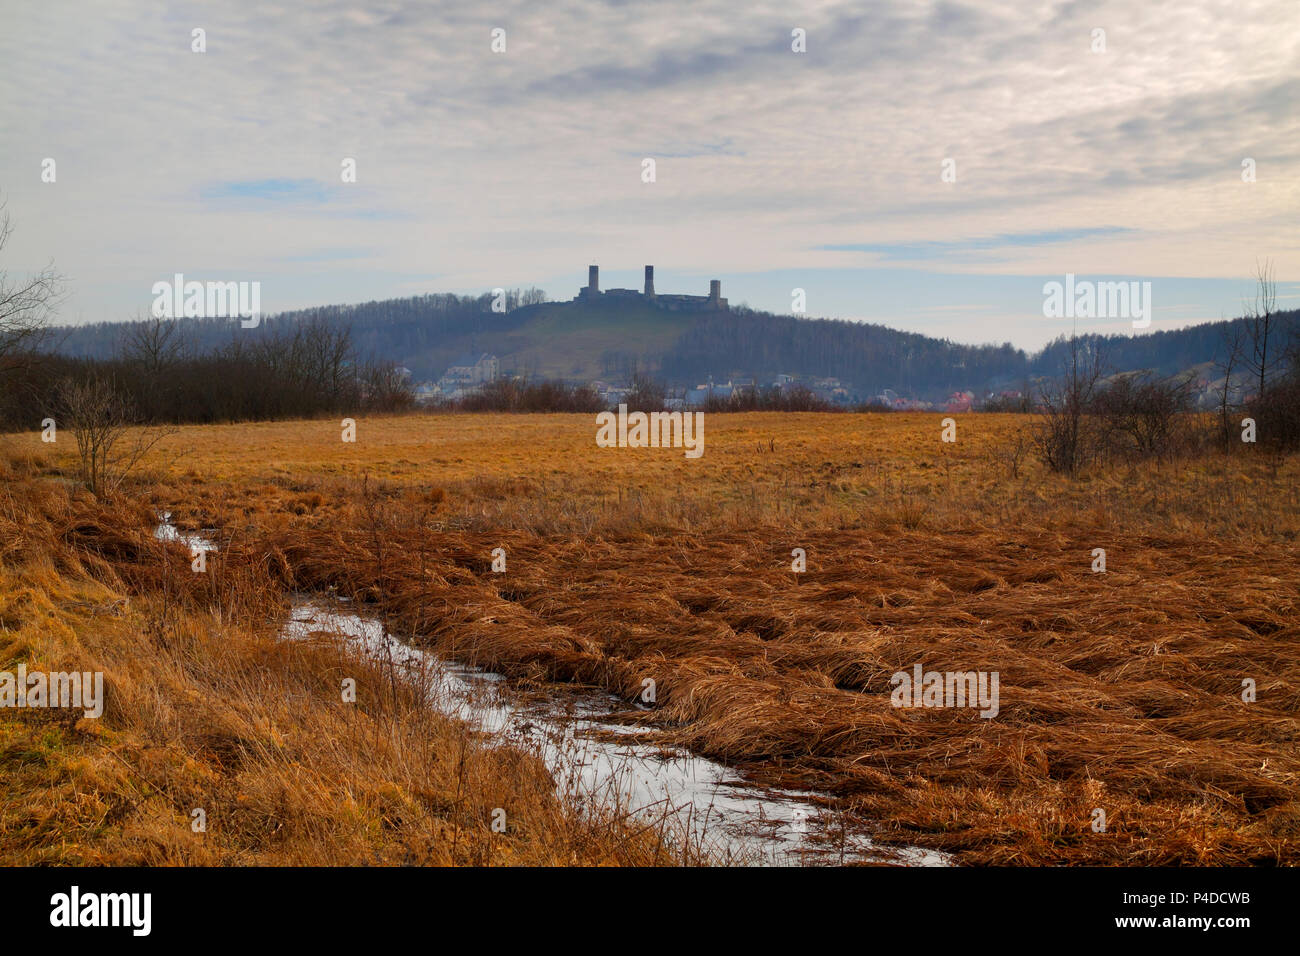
(774, 170)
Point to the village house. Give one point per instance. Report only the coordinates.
(468, 372)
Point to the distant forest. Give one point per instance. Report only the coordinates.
(425, 333)
(394, 330)
(745, 343)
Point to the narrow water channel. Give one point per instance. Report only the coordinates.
(594, 758)
(590, 755)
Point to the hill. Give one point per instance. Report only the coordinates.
(585, 342)
(609, 340)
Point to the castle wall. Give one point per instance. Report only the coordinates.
(713, 302)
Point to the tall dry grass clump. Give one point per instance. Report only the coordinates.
(206, 709)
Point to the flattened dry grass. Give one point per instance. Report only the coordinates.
(205, 710)
(1119, 691)
(1122, 688)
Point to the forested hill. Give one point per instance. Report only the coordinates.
(580, 343)
(742, 343)
(1165, 352)
(421, 332)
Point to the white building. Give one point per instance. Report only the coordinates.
(469, 371)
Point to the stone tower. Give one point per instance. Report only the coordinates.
(593, 281)
(715, 291)
(649, 282)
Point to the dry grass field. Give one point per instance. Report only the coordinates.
(1120, 691)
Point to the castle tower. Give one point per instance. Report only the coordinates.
(649, 282)
(593, 281)
(715, 291)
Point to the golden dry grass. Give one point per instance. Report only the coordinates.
(1119, 691)
(545, 473)
(206, 708)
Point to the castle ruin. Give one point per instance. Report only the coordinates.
(713, 302)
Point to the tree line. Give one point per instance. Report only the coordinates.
(426, 332)
(423, 332)
(1087, 415)
(300, 369)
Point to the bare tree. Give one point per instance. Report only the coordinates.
(1269, 357)
(327, 360)
(108, 447)
(25, 304)
(154, 344)
(1266, 354)
(385, 388)
(646, 394)
(1234, 343)
(1061, 436)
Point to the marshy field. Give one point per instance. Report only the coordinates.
(1163, 692)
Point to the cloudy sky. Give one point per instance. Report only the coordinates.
(774, 169)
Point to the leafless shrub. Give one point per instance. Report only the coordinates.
(646, 395)
(1141, 416)
(1066, 436)
(1012, 453)
(517, 395)
(1277, 417)
(385, 389)
(790, 398)
(108, 446)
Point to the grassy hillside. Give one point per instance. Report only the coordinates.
(562, 340)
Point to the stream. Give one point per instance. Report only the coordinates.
(589, 754)
(592, 757)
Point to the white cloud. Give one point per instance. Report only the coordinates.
(487, 169)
